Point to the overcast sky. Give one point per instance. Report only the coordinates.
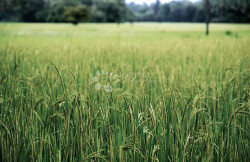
(151, 1)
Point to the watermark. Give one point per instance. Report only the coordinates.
(102, 81)
(107, 81)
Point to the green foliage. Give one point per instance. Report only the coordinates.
(55, 9)
(76, 14)
(112, 11)
(118, 11)
(98, 15)
(177, 94)
(176, 11)
(231, 10)
(185, 11)
(24, 10)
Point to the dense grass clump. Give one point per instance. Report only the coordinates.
(147, 92)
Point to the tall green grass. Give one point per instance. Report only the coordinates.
(177, 94)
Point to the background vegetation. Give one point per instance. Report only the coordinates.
(168, 92)
(119, 11)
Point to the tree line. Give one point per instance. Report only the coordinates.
(75, 11)
(62, 10)
(186, 11)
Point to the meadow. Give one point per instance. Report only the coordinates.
(108, 92)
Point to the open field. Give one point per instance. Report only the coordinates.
(146, 92)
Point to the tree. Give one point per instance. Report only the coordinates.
(55, 9)
(87, 2)
(22, 10)
(76, 14)
(207, 16)
(97, 15)
(177, 11)
(231, 10)
(156, 8)
(164, 12)
(118, 11)
(190, 10)
(114, 10)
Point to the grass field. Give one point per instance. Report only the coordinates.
(142, 92)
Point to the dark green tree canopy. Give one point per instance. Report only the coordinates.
(76, 14)
(117, 11)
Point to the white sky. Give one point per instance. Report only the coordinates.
(151, 1)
